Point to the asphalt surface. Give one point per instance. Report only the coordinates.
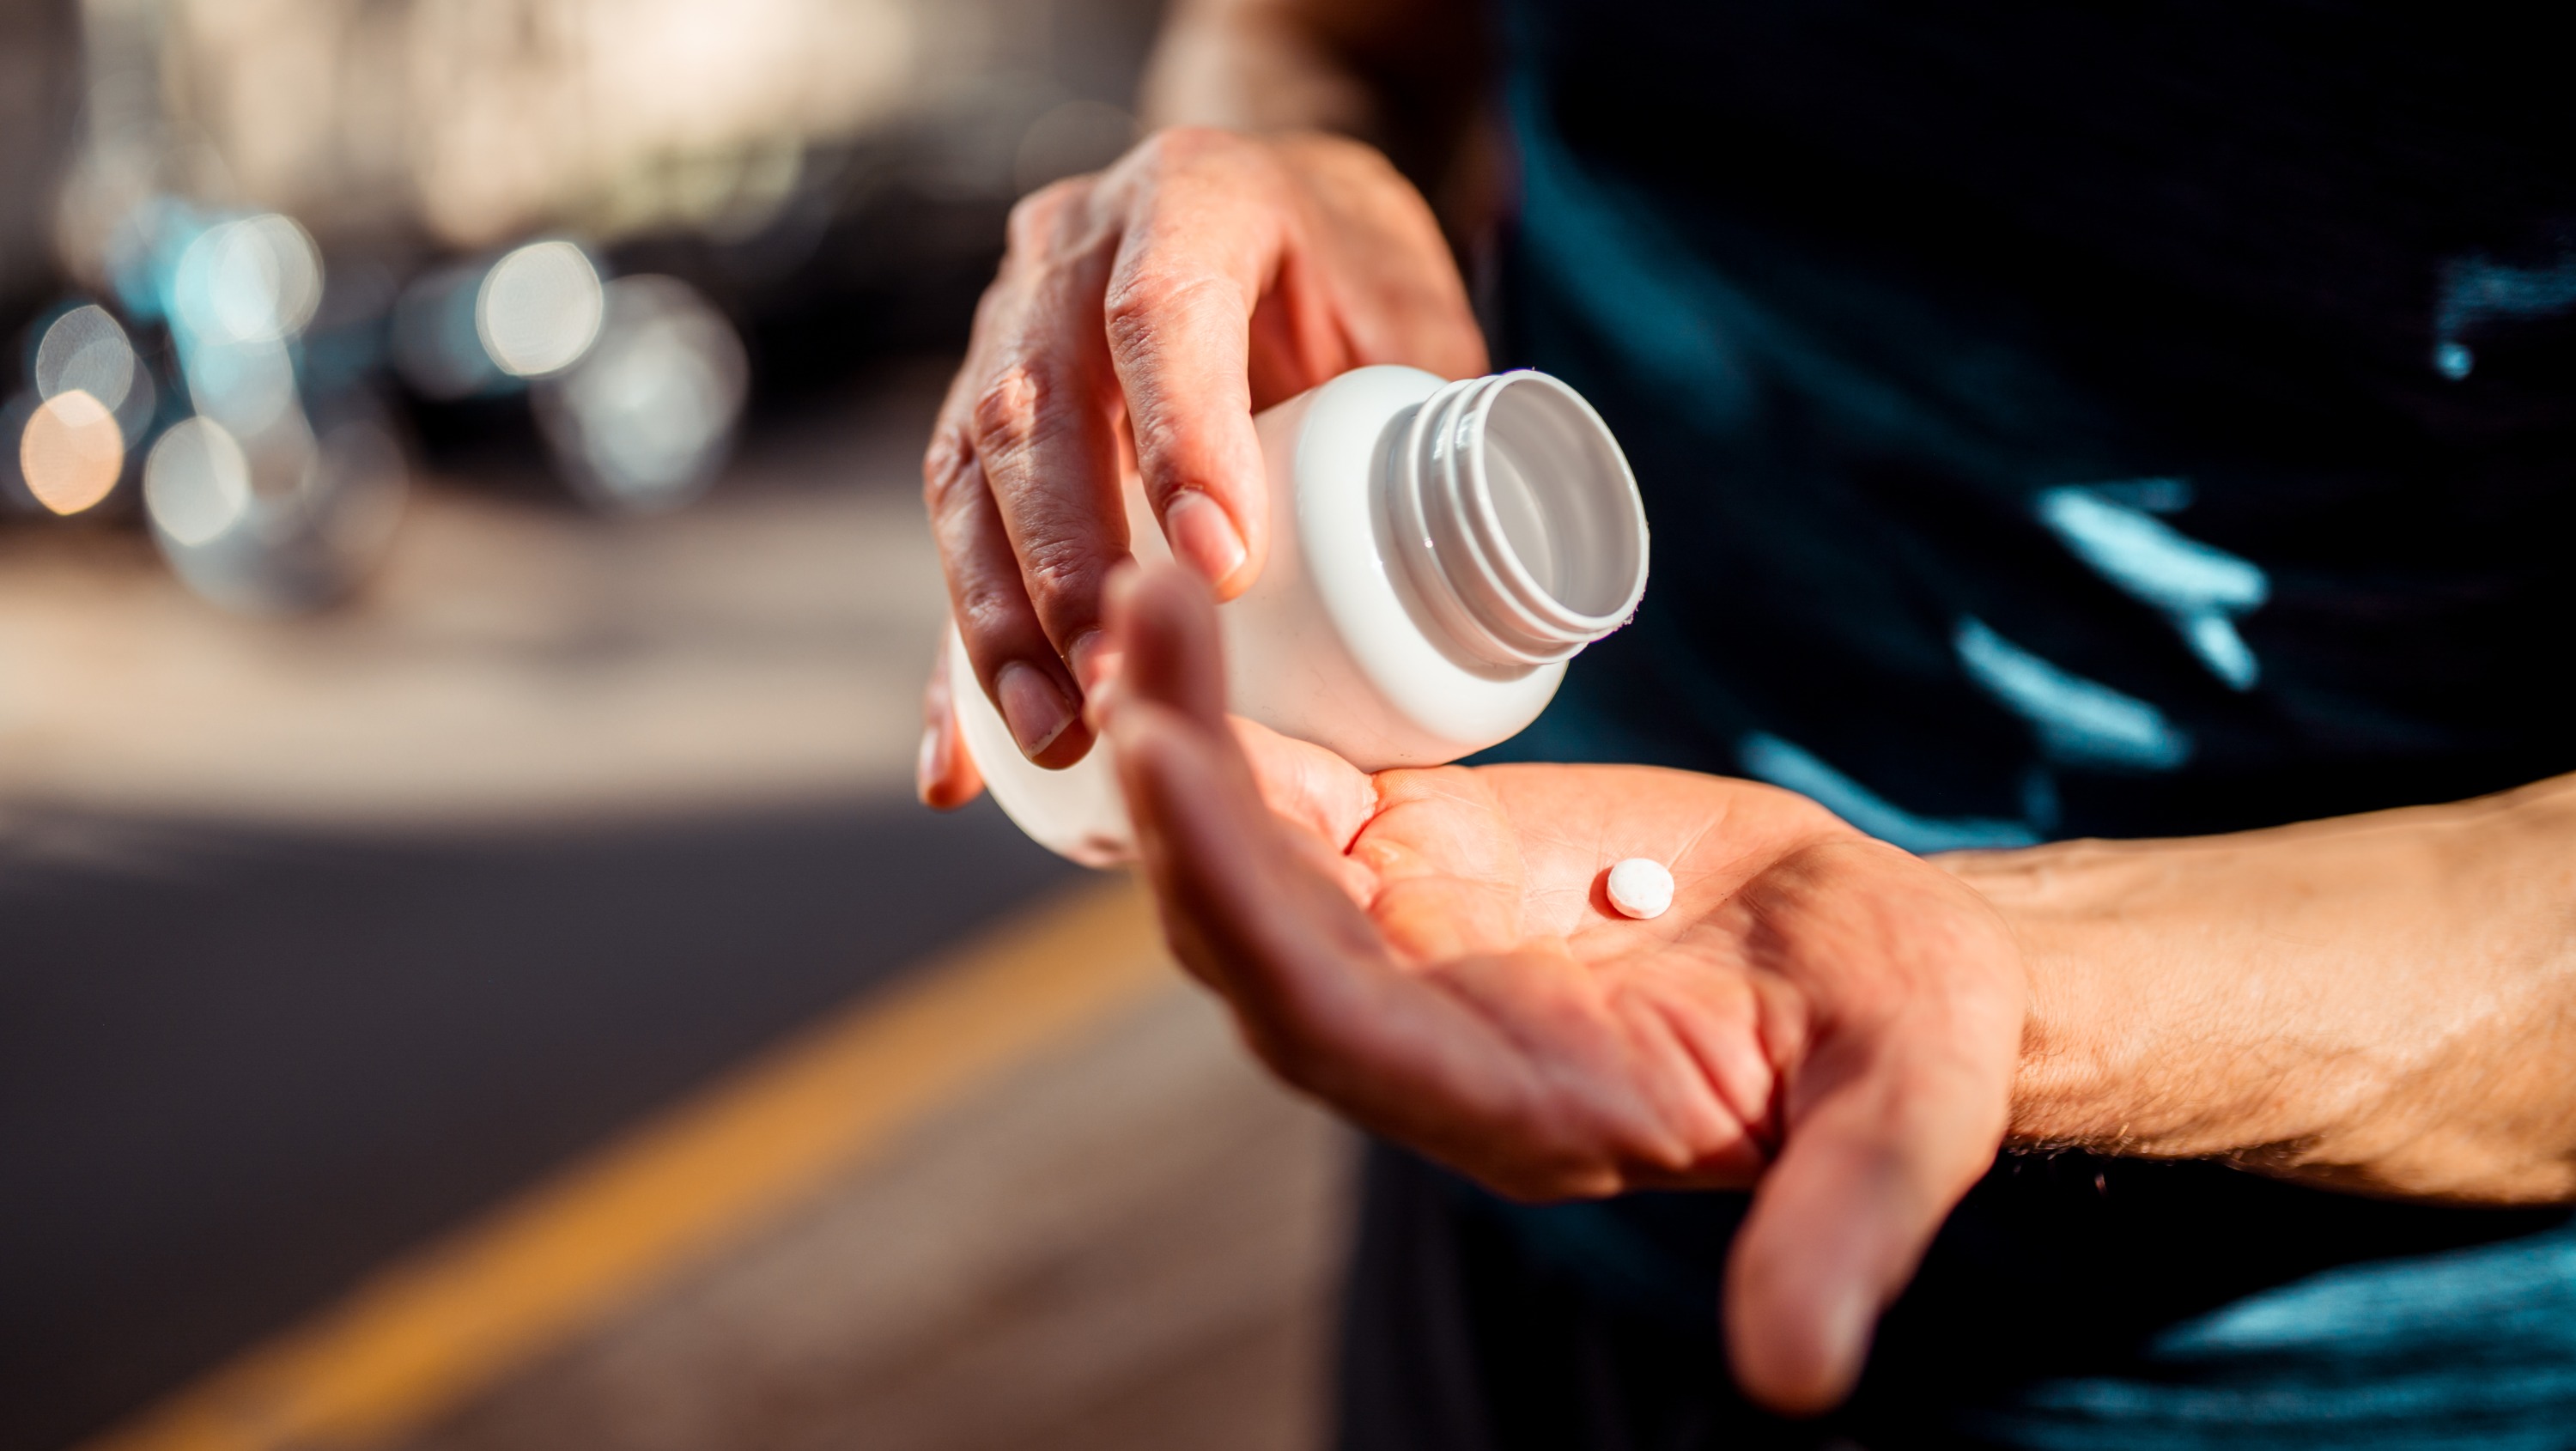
(241, 1066)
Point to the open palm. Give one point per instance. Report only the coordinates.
(1819, 1015)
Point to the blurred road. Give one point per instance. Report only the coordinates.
(1127, 1244)
(518, 660)
(321, 936)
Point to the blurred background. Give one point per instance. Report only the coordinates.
(462, 608)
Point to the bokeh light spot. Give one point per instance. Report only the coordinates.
(196, 484)
(647, 418)
(249, 386)
(254, 280)
(71, 452)
(539, 309)
(84, 349)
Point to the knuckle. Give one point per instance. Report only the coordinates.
(946, 472)
(1174, 147)
(994, 309)
(1131, 310)
(1166, 443)
(1005, 412)
(1141, 293)
(986, 610)
(1059, 572)
(1035, 217)
(1140, 305)
(1185, 158)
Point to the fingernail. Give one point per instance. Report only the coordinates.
(1121, 579)
(1202, 535)
(1099, 702)
(931, 766)
(1095, 664)
(1092, 660)
(1032, 706)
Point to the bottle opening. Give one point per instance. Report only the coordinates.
(1567, 506)
(1518, 518)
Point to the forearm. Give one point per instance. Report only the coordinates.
(2385, 1003)
(1406, 76)
(1253, 65)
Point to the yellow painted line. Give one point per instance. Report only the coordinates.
(431, 1330)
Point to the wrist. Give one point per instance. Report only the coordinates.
(2069, 1078)
(1251, 69)
(2373, 1001)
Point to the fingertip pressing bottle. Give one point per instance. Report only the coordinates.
(1438, 552)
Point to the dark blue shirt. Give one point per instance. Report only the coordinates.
(2113, 419)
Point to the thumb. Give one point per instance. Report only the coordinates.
(1163, 630)
(1308, 785)
(1242, 906)
(1838, 1224)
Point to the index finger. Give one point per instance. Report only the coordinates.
(1209, 228)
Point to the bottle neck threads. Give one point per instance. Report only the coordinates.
(1516, 519)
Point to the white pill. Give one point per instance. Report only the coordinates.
(1640, 887)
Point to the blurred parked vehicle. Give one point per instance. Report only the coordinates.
(297, 244)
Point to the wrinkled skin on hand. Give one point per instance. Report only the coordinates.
(1140, 318)
(1820, 1016)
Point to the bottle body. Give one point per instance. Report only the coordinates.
(1405, 512)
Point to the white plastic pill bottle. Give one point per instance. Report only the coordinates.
(1438, 551)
